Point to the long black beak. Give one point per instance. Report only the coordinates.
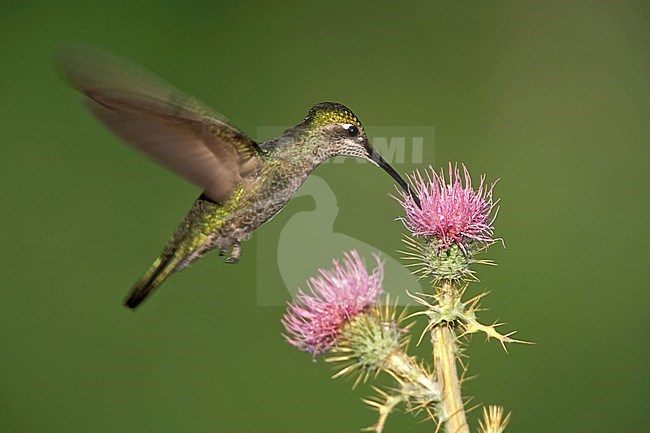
(377, 159)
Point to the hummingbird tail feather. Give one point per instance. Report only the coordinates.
(161, 269)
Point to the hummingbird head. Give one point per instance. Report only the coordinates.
(336, 131)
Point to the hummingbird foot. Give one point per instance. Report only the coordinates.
(234, 254)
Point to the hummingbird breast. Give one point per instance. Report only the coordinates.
(257, 199)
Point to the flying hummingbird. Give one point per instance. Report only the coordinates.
(244, 183)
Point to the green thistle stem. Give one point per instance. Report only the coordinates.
(445, 349)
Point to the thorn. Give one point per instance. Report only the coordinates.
(426, 330)
(417, 313)
(343, 372)
(372, 403)
(469, 400)
(438, 425)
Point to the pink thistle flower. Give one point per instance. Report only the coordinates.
(313, 320)
(451, 211)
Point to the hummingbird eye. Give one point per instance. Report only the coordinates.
(353, 131)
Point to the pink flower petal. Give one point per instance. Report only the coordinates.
(314, 319)
(451, 211)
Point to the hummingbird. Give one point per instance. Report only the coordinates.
(244, 183)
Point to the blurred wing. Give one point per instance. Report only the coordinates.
(176, 130)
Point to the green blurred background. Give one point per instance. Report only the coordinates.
(551, 97)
